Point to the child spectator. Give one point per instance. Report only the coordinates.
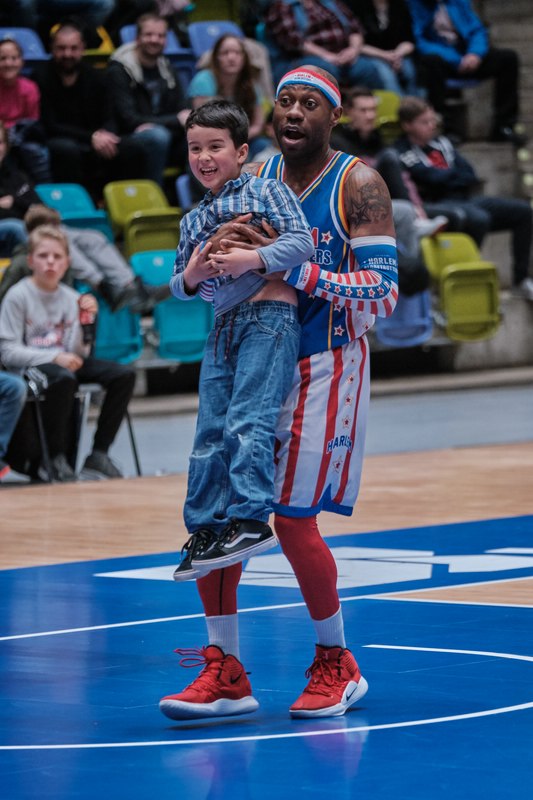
(94, 260)
(251, 352)
(40, 326)
(20, 111)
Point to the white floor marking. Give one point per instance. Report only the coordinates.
(318, 732)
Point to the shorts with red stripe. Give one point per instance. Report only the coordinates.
(320, 435)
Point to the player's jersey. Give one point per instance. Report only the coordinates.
(326, 325)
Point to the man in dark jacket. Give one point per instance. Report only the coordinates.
(76, 114)
(447, 183)
(148, 100)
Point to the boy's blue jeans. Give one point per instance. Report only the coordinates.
(246, 373)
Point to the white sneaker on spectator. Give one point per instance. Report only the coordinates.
(524, 289)
(429, 227)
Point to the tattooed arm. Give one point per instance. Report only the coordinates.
(373, 286)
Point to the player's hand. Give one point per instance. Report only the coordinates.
(254, 237)
(226, 229)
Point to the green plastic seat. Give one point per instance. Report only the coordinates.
(468, 286)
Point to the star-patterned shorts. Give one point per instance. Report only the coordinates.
(321, 430)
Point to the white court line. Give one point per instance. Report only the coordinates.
(305, 734)
(391, 596)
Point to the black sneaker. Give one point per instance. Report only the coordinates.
(61, 470)
(98, 465)
(240, 540)
(197, 544)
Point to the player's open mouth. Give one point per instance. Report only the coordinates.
(292, 134)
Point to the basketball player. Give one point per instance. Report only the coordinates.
(321, 429)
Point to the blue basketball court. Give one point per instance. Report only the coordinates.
(86, 653)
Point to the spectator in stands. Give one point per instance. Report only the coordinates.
(20, 111)
(148, 100)
(389, 40)
(359, 136)
(77, 117)
(324, 33)
(230, 76)
(446, 181)
(43, 14)
(16, 196)
(94, 260)
(40, 326)
(12, 399)
(452, 42)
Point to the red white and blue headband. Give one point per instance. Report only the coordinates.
(306, 77)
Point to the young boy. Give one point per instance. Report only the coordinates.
(252, 350)
(40, 327)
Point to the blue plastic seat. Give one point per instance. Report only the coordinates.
(75, 206)
(411, 323)
(182, 327)
(183, 192)
(118, 334)
(203, 35)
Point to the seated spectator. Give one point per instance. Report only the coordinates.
(16, 196)
(94, 260)
(43, 14)
(20, 110)
(452, 42)
(446, 181)
(12, 400)
(77, 117)
(40, 326)
(389, 40)
(230, 76)
(148, 100)
(323, 33)
(360, 136)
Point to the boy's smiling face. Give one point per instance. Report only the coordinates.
(48, 262)
(213, 156)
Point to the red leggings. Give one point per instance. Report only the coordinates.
(310, 558)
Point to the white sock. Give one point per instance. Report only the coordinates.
(330, 631)
(224, 632)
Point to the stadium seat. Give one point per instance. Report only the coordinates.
(75, 206)
(141, 216)
(468, 287)
(203, 35)
(387, 114)
(411, 323)
(183, 192)
(181, 327)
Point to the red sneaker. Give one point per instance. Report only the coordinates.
(221, 689)
(336, 684)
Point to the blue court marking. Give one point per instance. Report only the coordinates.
(89, 699)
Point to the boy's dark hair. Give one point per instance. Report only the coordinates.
(221, 114)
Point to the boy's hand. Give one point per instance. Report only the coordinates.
(236, 261)
(199, 267)
(88, 302)
(70, 361)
